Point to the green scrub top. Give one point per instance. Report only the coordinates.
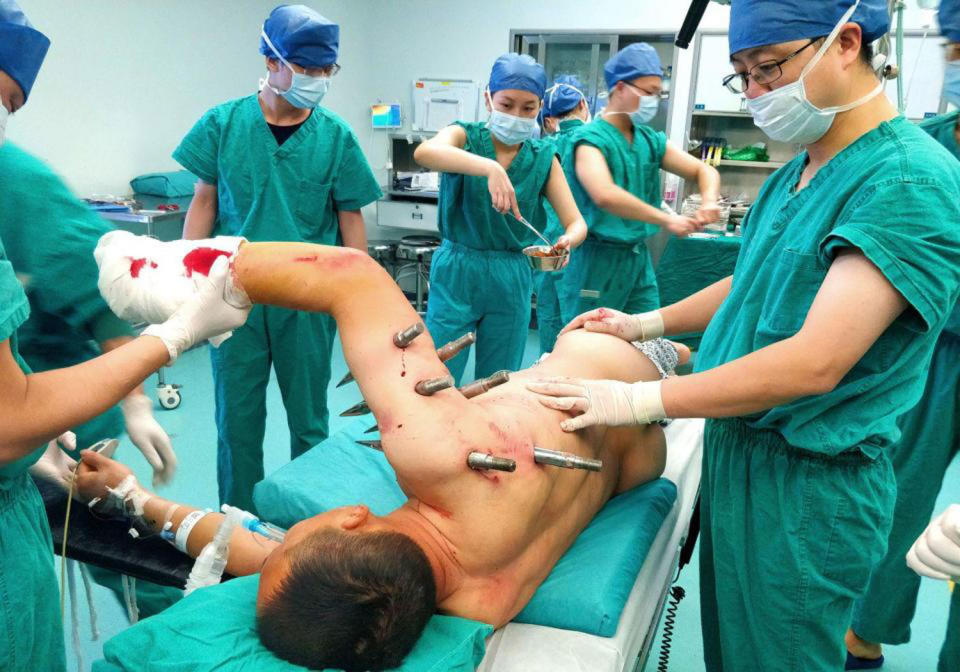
(561, 142)
(877, 195)
(270, 192)
(466, 214)
(634, 167)
(14, 310)
(942, 129)
(50, 243)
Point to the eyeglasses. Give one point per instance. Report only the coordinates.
(763, 73)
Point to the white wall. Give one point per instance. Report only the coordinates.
(124, 81)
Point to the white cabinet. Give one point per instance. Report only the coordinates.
(714, 65)
(407, 214)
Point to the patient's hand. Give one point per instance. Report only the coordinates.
(96, 474)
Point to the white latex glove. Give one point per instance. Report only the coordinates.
(642, 327)
(936, 552)
(600, 402)
(147, 280)
(149, 438)
(206, 315)
(55, 465)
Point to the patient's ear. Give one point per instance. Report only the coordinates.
(358, 516)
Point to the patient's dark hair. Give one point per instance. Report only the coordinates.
(356, 601)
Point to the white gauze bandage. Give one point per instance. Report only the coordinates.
(147, 280)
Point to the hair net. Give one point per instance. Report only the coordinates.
(565, 94)
(634, 60)
(757, 23)
(949, 19)
(22, 48)
(301, 36)
(513, 71)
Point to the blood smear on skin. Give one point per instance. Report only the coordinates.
(201, 259)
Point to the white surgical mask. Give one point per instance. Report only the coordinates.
(646, 110)
(787, 115)
(951, 82)
(510, 129)
(305, 91)
(4, 115)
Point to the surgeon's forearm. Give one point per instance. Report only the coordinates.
(202, 213)
(772, 376)
(38, 407)
(694, 313)
(353, 230)
(247, 550)
(449, 159)
(620, 202)
(112, 344)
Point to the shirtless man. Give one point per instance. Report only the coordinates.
(353, 590)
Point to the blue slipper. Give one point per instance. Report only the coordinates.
(855, 663)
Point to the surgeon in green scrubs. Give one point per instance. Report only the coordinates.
(613, 166)
(276, 166)
(564, 111)
(817, 343)
(39, 408)
(493, 173)
(929, 441)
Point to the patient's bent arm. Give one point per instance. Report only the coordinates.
(369, 309)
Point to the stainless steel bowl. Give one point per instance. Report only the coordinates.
(538, 262)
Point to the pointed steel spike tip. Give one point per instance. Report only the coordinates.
(404, 338)
(346, 379)
(375, 428)
(357, 409)
(556, 458)
(483, 462)
(376, 445)
(431, 386)
(453, 348)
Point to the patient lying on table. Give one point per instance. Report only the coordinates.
(350, 589)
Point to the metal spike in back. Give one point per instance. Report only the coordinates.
(478, 387)
(483, 461)
(431, 386)
(375, 428)
(556, 458)
(404, 338)
(446, 353)
(451, 349)
(357, 409)
(376, 445)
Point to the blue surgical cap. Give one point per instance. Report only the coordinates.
(513, 71)
(22, 48)
(565, 94)
(949, 18)
(757, 23)
(634, 60)
(301, 36)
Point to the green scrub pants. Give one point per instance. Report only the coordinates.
(930, 440)
(788, 541)
(608, 275)
(549, 318)
(484, 291)
(298, 345)
(32, 632)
